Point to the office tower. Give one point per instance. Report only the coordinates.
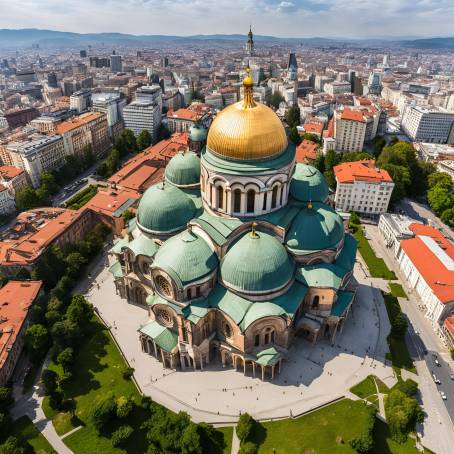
(83, 54)
(52, 80)
(80, 100)
(111, 104)
(140, 115)
(115, 63)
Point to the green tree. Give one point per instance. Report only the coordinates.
(6, 398)
(75, 262)
(399, 325)
(190, 440)
(48, 182)
(401, 178)
(163, 132)
(352, 156)
(439, 179)
(276, 99)
(11, 446)
(124, 406)
(244, 427)
(248, 448)
(121, 436)
(311, 137)
(49, 379)
(103, 411)
(37, 341)
(80, 311)
(294, 136)
(89, 157)
(440, 199)
(143, 140)
(378, 142)
(66, 359)
(292, 116)
(128, 215)
(448, 217)
(409, 387)
(27, 198)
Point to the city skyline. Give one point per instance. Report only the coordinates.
(296, 18)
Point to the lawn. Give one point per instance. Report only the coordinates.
(24, 430)
(377, 266)
(383, 444)
(365, 388)
(227, 434)
(324, 431)
(82, 197)
(397, 290)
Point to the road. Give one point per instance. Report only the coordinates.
(423, 213)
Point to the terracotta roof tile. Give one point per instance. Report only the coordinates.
(364, 170)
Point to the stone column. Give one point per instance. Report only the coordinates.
(269, 199)
(243, 202)
(253, 369)
(163, 358)
(263, 373)
(272, 372)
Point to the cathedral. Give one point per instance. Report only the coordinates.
(237, 251)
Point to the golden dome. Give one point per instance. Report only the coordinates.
(247, 130)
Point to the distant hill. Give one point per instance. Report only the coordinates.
(431, 43)
(50, 38)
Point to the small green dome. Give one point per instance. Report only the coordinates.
(257, 263)
(315, 229)
(308, 184)
(183, 169)
(198, 133)
(164, 209)
(186, 257)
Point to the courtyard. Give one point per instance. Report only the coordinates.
(310, 376)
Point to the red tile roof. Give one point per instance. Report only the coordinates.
(364, 170)
(10, 172)
(306, 151)
(315, 128)
(109, 201)
(77, 122)
(352, 115)
(437, 276)
(15, 299)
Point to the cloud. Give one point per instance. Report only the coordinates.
(296, 18)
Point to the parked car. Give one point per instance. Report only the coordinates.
(436, 380)
(437, 363)
(443, 395)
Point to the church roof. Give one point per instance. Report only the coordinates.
(308, 184)
(183, 169)
(142, 246)
(164, 337)
(322, 275)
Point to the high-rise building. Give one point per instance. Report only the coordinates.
(250, 43)
(152, 93)
(83, 54)
(349, 130)
(292, 67)
(374, 83)
(80, 101)
(143, 114)
(111, 104)
(52, 80)
(115, 63)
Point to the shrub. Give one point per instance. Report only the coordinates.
(6, 397)
(127, 373)
(124, 406)
(121, 435)
(244, 427)
(354, 218)
(409, 387)
(248, 448)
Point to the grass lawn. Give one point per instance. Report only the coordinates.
(377, 266)
(383, 444)
(227, 433)
(397, 290)
(82, 197)
(324, 431)
(364, 388)
(24, 430)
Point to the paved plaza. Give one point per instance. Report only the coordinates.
(310, 376)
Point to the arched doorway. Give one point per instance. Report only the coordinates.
(250, 201)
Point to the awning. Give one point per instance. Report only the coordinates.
(344, 300)
(268, 357)
(164, 337)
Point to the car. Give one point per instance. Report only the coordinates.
(437, 363)
(436, 380)
(443, 395)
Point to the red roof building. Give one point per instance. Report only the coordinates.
(16, 297)
(306, 151)
(364, 170)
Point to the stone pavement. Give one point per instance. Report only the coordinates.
(311, 376)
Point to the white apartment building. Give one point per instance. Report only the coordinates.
(362, 187)
(394, 228)
(427, 262)
(428, 125)
(140, 115)
(37, 155)
(112, 105)
(349, 130)
(7, 201)
(80, 101)
(337, 88)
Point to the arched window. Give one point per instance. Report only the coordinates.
(315, 302)
(257, 340)
(250, 201)
(220, 191)
(269, 335)
(264, 200)
(163, 285)
(237, 200)
(227, 330)
(274, 197)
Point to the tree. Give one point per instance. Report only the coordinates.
(352, 156)
(143, 140)
(75, 262)
(103, 412)
(80, 311)
(11, 446)
(448, 217)
(124, 406)
(37, 341)
(6, 398)
(294, 136)
(440, 199)
(244, 426)
(130, 140)
(163, 132)
(190, 440)
(401, 178)
(399, 325)
(311, 137)
(49, 380)
(354, 218)
(292, 116)
(409, 387)
(66, 359)
(276, 99)
(128, 215)
(439, 179)
(378, 142)
(27, 198)
(248, 448)
(48, 182)
(121, 436)
(365, 441)
(89, 157)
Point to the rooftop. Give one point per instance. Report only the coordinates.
(10, 172)
(352, 115)
(364, 170)
(77, 122)
(112, 202)
(306, 151)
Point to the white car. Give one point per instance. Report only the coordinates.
(436, 380)
(443, 395)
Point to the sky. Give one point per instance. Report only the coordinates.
(288, 18)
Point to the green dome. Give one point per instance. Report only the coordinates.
(186, 257)
(257, 263)
(198, 133)
(308, 184)
(164, 209)
(183, 169)
(315, 229)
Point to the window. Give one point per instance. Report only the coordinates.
(274, 197)
(163, 285)
(237, 200)
(264, 200)
(250, 201)
(220, 192)
(227, 330)
(257, 340)
(315, 302)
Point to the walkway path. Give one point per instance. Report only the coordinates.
(235, 443)
(30, 404)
